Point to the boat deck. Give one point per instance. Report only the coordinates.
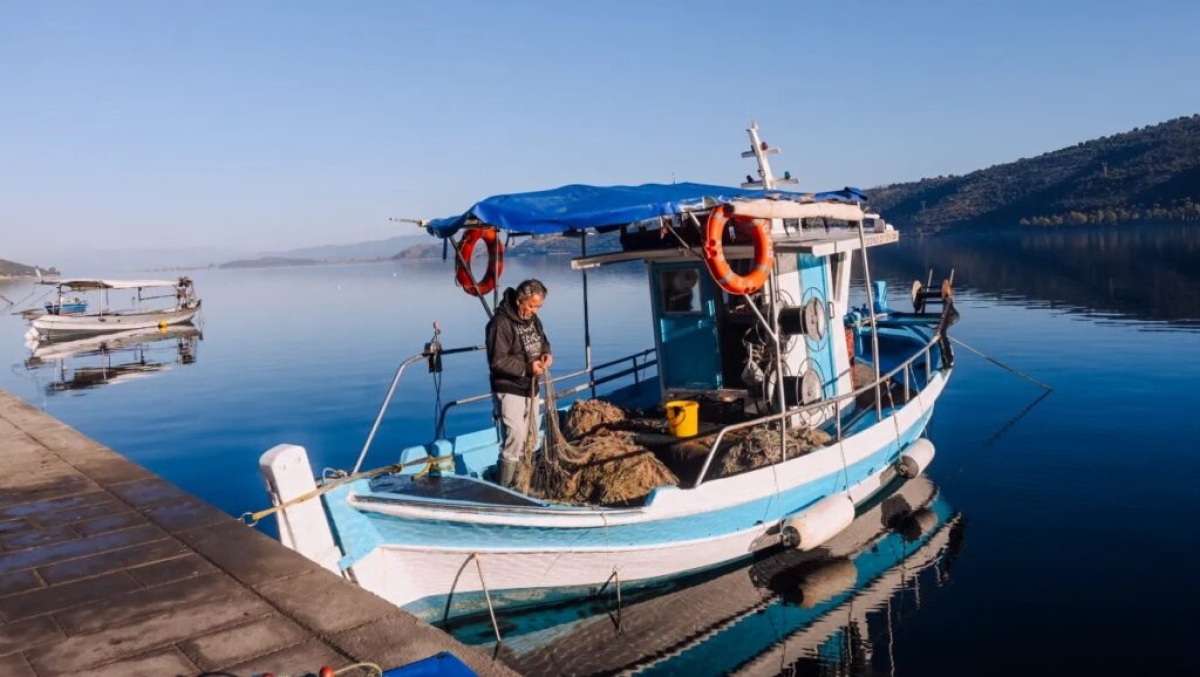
(109, 570)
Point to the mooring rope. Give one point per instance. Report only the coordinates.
(430, 462)
(1003, 366)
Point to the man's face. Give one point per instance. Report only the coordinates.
(529, 306)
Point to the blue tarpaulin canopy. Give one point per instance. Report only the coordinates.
(579, 207)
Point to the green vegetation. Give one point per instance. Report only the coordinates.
(1150, 174)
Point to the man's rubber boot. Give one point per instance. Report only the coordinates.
(508, 473)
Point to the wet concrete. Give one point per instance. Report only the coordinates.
(108, 569)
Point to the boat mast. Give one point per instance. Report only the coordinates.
(759, 150)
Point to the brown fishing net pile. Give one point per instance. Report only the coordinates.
(760, 446)
(593, 458)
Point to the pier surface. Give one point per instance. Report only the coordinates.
(109, 570)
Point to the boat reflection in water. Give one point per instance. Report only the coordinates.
(828, 611)
(110, 358)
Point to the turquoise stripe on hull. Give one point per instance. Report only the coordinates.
(360, 532)
(473, 626)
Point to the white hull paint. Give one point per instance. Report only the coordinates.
(420, 575)
(666, 625)
(406, 575)
(90, 324)
(709, 497)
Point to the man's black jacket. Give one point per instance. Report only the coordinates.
(512, 343)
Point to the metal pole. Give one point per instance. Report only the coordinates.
(782, 382)
(587, 328)
(471, 276)
(386, 401)
(862, 243)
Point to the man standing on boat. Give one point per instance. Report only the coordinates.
(518, 353)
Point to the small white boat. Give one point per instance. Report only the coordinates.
(68, 314)
(756, 328)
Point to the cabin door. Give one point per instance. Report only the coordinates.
(815, 295)
(685, 328)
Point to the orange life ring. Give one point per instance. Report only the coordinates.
(495, 266)
(714, 251)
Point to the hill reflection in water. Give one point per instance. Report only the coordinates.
(1140, 272)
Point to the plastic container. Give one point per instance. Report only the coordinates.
(683, 418)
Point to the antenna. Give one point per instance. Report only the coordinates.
(421, 223)
(759, 150)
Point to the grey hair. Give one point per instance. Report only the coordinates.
(530, 288)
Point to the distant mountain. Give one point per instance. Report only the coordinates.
(543, 245)
(14, 269)
(84, 261)
(374, 250)
(1147, 174)
(268, 262)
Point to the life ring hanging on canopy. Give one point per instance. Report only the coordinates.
(759, 231)
(495, 264)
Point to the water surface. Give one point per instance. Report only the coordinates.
(1074, 511)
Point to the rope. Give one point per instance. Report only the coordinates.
(1003, 366)
(549, 474)
(372, 669)
(430, 462)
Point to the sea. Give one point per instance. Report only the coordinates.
(1055, 533)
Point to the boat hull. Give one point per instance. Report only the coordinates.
(436, 560)
(60, 325)
(434, 584)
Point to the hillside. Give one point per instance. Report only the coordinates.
(545, 245)
(1147, 174)
(14, 269)
(361, 251)
(268, 262)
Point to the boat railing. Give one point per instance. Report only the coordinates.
(433, 354)
(908, 367)
(638, 362)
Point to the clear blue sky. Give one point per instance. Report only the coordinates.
(271, 125)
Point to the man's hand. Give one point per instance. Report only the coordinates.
(538, 367)
(547, 360)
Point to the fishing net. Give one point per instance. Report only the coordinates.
(597, 453)
(760, 446)
(593, 458)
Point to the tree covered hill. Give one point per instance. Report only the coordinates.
(1147, 174)
(14, 269)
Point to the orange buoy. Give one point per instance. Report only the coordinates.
(495, 265)
(714, 251)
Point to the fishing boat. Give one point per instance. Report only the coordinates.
(755, 337)
(68, 313)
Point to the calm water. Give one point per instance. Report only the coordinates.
(1073, 514)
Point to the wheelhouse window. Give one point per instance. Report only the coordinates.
(680, 290)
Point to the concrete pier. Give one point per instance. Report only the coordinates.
(109, 570)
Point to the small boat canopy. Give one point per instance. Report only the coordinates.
(580, 207)
(84, 284)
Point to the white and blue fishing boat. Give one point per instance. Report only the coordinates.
(68, 315)
(754, 329)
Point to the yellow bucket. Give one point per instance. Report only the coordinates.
(683, 418)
